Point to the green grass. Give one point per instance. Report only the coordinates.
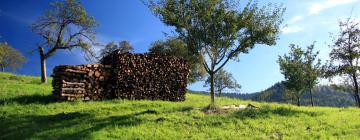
(28, 111)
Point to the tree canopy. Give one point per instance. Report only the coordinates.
(122, 47)
(10, 58)
(301, 69)
(312, 69)
(345, 55)
(223, 80)
(220, 30)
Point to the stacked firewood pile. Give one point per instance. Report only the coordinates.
(84, 82)
(147, 76)
(126, 76)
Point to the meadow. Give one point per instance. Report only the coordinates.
(28, 111)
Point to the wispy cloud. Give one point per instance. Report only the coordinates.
(296, 19)
(292, 29)
(295, 23)
(292, 26)
(317, 7)
(27, 20)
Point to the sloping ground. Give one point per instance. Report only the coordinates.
(28, 111)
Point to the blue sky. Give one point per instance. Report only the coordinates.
(305, 21)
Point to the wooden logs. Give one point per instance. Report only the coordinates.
(127, 76)
(80, 82)
(147, 76)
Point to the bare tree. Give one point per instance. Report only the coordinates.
(66, 26)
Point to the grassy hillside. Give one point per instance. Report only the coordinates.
(28, 111)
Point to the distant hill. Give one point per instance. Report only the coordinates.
(323, 96)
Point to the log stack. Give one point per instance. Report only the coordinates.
(84, 82)
(147, 76)
(126, 76)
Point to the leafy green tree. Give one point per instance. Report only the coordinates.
(66, 26)
(223, 80)
(301, 69)
(342, 87)
(219, 30)
(122, 47)
(312, 69)
(292, 67)
(290, 97)
(264, 96)
(345, 55)
(125, 47)
(177, 47)
(10, 58)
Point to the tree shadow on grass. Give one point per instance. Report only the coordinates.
(78, 125)
(265, 112)
(29, 99)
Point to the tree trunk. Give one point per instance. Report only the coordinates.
(219, 92)
(212, 91)
(298, 101)
(2, 68)
(312, 100)
(43, 65)
(356, 92)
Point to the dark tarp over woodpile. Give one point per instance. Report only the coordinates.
(126, 76)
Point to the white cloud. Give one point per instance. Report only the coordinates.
(356, 19)
(296, 19)
(317, 7)
(292, 29)
(21, 19)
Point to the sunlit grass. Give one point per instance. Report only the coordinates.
(28, 111)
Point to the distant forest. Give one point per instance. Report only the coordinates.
(323, 96)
